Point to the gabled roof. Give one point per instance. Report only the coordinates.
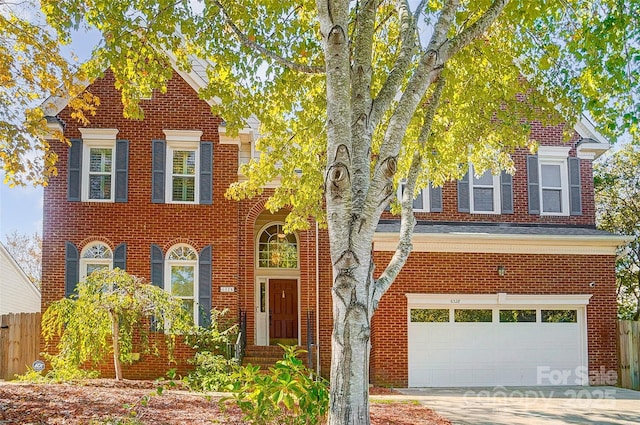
(196, 78)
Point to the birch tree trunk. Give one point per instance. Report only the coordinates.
(356, 193)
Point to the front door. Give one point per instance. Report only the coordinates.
(283, 311)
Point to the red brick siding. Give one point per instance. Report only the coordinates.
(229, 227)
(477, 274)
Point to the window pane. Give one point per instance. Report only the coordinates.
(551, 200)
(277, 249)
(485, 180)
(559, 316)
(184, 189)
(182, 281)
(188, 305)
(93, 267)
(97, 250)
(517, 316)
(482, 199)
(100, 160)
(183, 253)
(418, 203)
(551, 175)
(473, 315)
(184, 162)
(429, 314)
(99, 186)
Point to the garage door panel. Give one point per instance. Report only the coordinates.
(492, 353)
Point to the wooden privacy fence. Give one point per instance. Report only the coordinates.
(629, 355)
(19, 343)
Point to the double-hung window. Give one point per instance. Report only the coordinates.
(182, 271)
(485, 192)
(182, 168)
(421, 202)
(98, 164)
(550, 190)
(183, 164)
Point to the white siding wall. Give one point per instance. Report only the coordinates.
(17, 293)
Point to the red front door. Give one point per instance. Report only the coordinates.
(283, 311)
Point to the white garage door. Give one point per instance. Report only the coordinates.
(491, 340)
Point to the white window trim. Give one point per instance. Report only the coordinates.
(85, 261)
(97, 138)
(496, 193)
(555, 155)
(182, 140)
(167, 272)
(426, 198)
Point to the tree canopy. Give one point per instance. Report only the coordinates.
(617, 185)
(32, 68)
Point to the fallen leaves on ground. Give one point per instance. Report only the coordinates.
(103, 400)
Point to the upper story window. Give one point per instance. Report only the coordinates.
(485, 192)
(181, 271)
(92, 166)
(554, 182)
(277, 249)
(95, 256)
(183, 151)
(428, 199)
(182, 168)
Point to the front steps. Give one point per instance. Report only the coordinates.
(263, 356)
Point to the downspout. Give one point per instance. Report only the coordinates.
(317, 302)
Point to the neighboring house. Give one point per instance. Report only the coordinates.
(509, 282)
(17, 293)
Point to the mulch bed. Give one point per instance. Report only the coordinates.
(102, 400)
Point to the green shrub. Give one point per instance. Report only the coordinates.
(289, 393)
(213, 362)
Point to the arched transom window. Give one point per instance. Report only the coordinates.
(95, 256)
(181, 264)
(277, 249)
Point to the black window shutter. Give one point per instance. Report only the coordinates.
(506, 192)
(122, 170)
(206, 173)
(157, 168)
(435, 198)
(71, 268)
(575, 188)
(204, 286)
(74, 166)
(463, 194)
(533, 182)
(120, 257)
(157, 266)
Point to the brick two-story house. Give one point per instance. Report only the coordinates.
(509, 282)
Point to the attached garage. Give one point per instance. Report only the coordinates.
(496, 340)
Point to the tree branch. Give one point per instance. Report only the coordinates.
(407, 219)
(475, 30)
(242, 37)
(361, 73)
(403, 61)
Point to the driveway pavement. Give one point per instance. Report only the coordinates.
(530, 405)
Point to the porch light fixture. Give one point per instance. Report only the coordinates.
(502, 270)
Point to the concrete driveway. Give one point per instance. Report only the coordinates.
(531, 405)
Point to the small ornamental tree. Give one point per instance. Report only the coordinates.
(101, 317)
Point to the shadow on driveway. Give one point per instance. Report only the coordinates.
(530, 405)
